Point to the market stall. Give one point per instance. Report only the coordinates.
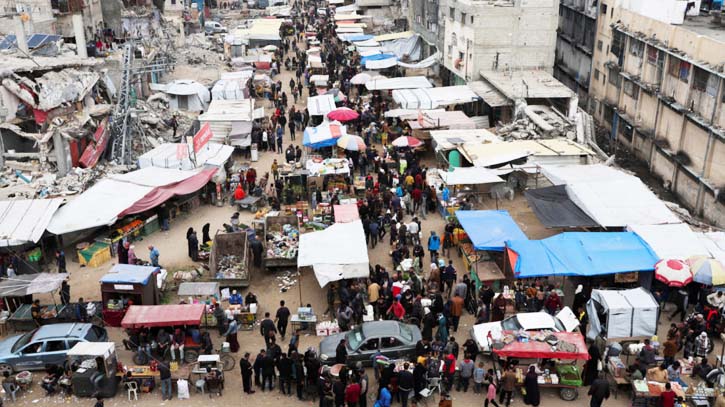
(205, 293)
(96, 368)
(622, 314)
(462, 183)
(126, 285)
(17, 293)
(552, 349)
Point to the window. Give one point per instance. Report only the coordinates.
(391, 343)
(617, 44)
(451, 13)
(471, 19)
(450, 51)
(463, 18)
(604, 79)
(55, 346)
(636, 48)
(461, 55)
(454, 39)
(596, 74)
(631, 89)
(699, 79)
(625, 130)
(604, 9)
(679, 69)
(371, 344)
(173, 1)
(33, 348)
(599, 45)
(608, 114)
(614, 78)
(652, 55)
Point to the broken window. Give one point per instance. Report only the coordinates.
(451, 13)
(599, 45)
(67, 6)
(636, 48)
(679, 69)
(704, 81)
(618, 45)
(614, 78)
(631, 89)
(604, 9)
(471, 19)
(463, 18)
(596, 74)
(608, 114)
(625, 130)
(652, 55)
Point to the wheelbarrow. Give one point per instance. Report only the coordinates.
(253, 203)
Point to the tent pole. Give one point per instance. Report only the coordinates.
(299, 285)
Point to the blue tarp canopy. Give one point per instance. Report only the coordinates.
(375, 57)
(129, 274)
(359, 37)
(489, 230)
(582, 254)
(324, 135)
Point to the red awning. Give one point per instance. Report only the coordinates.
(539, 350)
(263, 65)
(149, 316)
(346, 213)
(162, 194)
(96, 148)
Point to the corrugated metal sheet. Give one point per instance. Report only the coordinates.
(25, 221)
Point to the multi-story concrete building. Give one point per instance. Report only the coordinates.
(495, 35)
(424, 20)
(51, 16)
(657, 84)
(575, 45)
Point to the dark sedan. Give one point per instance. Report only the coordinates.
(393, 339)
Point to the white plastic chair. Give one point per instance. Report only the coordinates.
(132, 388)
(200, 385)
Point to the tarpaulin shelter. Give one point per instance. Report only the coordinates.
(673, 241)
(470, 176)
(336, 253)
(24, 221)
(150, 316)
(583, 254)
(555, 210)
(432, 98)
(324, 135)
(168, 155)
(406, 82)
(198, 289)
(622, 314)
(321, 105)
(346, 213)
(375, 57)
(489, 230)
(123, 194)
(542, 350)
(29, 284)
(230, 121)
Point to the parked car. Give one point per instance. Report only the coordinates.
(394, 339)
(214, 27)
(564, 321)
(46, 345)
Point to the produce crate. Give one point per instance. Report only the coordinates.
(94, 255)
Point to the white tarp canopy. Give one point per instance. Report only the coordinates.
(470, 176)
(94, 349)
(714, 242)
(230, 121)
(29, 284)
(101, 204)
(446, 140)
(431, 98)
(426, 63)
(406, 82)
(611, 197)
(381, 63)
(409, 112)
(627, 313)
(336, 253)
(673, 241)
(265, 29)
(232, 85)
(169, 155)
(25, 220)
(320, 105)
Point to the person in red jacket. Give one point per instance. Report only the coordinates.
(397, 309)
(239, 193)
(667, 398)
(553, 303)
(352, 393)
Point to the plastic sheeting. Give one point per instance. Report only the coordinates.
(324, 135)
(29, 284)
(628, 313)
(555, 210)
(612, 198)
(95, 349)
(432, 98)
(167, 156)
(25, 220)
(336, 253)
(470, 176)
(129, 274)
(404, 48)
(542, 350)
(583, 254)
(714, 242)
(406, 82)
(198, 289)
(426, 63)
(321, 105)
(387, 62)
(151, 316)
(675, 241)
(489, 230)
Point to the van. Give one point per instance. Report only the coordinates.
(214, 27)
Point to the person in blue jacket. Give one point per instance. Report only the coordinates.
(385, 397)
(434, 244)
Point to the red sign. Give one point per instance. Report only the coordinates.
(182, 151)
(202, 137)
(96, 148)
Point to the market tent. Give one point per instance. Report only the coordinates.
(408, 112)
(446, 140)
(406, 82)
(150, 316)
(198, 289)
(118, 193)
(25, 220)
(611, 197)
(28, 284)
(387, 62)
(454, 119)
(582, 254)
(622, 313)
(489, 230)
(674, 241)
(324, 135)
(336, 253)
(555, 210)
(129, 274)
(432, 98)
(179, 156)
(346, 213)
(102, 349)
(328, 166)
(470, 176)
(541, 350)
(714, 242)
(321, 105)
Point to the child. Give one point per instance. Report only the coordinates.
(478, 375)
(491, 395)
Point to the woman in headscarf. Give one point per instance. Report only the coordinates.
(193, 244)
(590, 368)
(531, 384)
(442, 329)
(205, 238)
(580, 298)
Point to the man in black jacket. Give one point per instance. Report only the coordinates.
(268, 372)
(405, 384)
(599, 391)
(247, 372)
(341, 352)
(267, 329)
(258, 365)
(284, 367)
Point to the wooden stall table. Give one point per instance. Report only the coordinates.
(22, 320)
(644, 391)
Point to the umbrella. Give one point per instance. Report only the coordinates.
(706, 270)
(270, 48)
(351, 143)
(343, 114)
(376, 77)
(360, 79)
(407, 141)
(674, 273)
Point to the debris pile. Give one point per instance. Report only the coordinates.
(39, 184)
(232, 267)
(287, 280)
(155, 118)
(284, 244)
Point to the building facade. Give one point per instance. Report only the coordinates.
(51, 16)
(575, 45)
(657, 85)
(424, 20)
(495, 35)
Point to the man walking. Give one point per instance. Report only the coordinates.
(267, 329)
(599, 391)
(282, 318)
(165, 376)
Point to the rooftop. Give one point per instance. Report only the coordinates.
(703, 25)
(528, 84)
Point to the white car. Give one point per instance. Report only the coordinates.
(564, 321)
